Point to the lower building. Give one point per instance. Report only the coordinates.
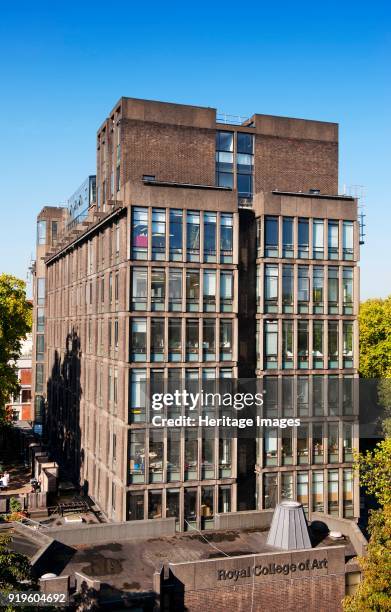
(20, 406)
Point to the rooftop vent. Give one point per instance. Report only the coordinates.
(289, 529)
(314, 191)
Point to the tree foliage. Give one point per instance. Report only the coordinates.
(15, 323)
(15, 570)
(375, 471)
(375, 338)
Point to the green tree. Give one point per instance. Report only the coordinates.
(375, 338)
(15, 323)
(15, 572)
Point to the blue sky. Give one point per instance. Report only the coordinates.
(65, 64)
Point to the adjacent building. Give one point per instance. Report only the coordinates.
(20, 406)
(213, 253)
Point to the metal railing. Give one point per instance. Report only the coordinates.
(231, 119)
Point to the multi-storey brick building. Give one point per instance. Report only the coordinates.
(214, 252)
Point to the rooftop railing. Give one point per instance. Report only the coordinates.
(231, 119)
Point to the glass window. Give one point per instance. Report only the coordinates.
(318, 238)
(135, 506)
(333, 344)
(270, 447)
(318, 395)
(137, 408)
(302, 489)
(208, 450)
(158, 233)
(209, 289)
(317, 345)
(302, 337)
(192, 290)
(173, 505)
(269, 490)
(225, 179)
(224, 498)
(40, 319)
(176, 234)
(287, 344)
(245, 143)
(41, 291)
(139, 340)
(40, 347)
(271, 288)
(347, 240)
(333, 239)
(41, 232)
(317, 492)
(259, 237)
(154, 504)
(140, 233)
(155, 455)
(317, 443)
(190, 508)
(333, 443)
(158, 288)
(287, 485)
(348, 493)
(270, 389)
(317, 290)
(226, 291)
(333, 290)
(348, 395)
(192, 350)
(245, 184)
(333, 493)
(173, 454)
(209, 339)
(225, 457)
(225, 141)
(139, 291)
(271, 237)
(175, 339)
(175, 289)
(54, 231)
(287, 396)
(287, 237)
(225, 340)
(207, 507)
(347, 442)
(191, 454)
(210, 236)
(347, 344)
(286, 446)
(347, 290)
(303, 238)
(287, 288)
(226, 237)
(271, 344)
(137, 456)
(157, 339)
(302, 445)
(333, 395)
(193, 235)
(303, 288)
(303, 396)
(224, 159)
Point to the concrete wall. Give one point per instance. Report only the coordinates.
(113, 532)
(251, 519)
(347, 528)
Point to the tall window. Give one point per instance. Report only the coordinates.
(192, 290)
(303, 282)
(158, 233)
(287, 344)
(348, 493)
(176, 234)
(139, 289)
(173, 454)
(41, 232)
(287, 288)
(317, 345)
(286, 446)
(271, 344)
(318, 238)
(209, 339)
(303, 238)
(333, 290)
(302, 489)
(226, 291)
(208, 449)
(225, 498)
(192, 341)
(333, 492)
(318, 395)
(157, 339)
(333, 239)
(137, 407)
(303, 396)
(347, 240)
(175, 289)
(225, 457)
(226, 237)
(271, 236)
(191, 454)
(286, 485)
(317, 443)
(224, 159)
(139, 340)
(271, 288)
(193, 235)
(302, 337)
(158, 288)
(137, 456)
(287, 237)
(41, 291)
(347, 280)
(225, 340)
(140, 233)
(317, 492)
(347, 344)
(210, 236)
(209, 290)
(190, 507)
(347, 442)
(156, 457)
(174, 339)
(333, 344)
(270, 447)
(245, 164)
(318, 290)
(269, 490)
